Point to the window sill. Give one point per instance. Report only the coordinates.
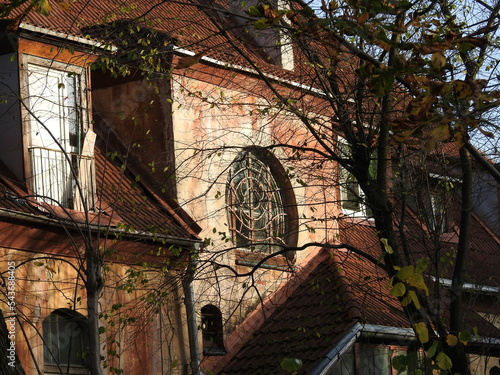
(73, 370)
(249, 259)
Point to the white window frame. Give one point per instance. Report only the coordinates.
(48, 163)
(344, 192)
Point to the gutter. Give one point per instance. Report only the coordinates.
(485, 289)
(332, 357)
(179, 50)
(223, 64)
(355, 332)
(55, 223)
(66, 36)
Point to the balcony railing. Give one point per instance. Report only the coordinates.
(55, 175)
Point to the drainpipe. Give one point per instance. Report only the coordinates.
(194, 350)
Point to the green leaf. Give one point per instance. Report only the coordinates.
(262, 24)
(400, 363)
(432, 350)
(398, 290)
(291, 364)
(422, 265)
(253, 11)
(387, 247)
(464, 336)
(443, 361)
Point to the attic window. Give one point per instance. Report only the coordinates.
(60, 168)
(255, 202)
(211, 327)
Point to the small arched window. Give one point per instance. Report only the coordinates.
(260, 202)
(65, 341)
(211, 328)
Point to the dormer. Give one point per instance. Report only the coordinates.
(47, 137)
(272, 44)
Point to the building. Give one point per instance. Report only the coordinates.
(201, 128)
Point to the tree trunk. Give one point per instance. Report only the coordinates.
(94, 288)
(457, 353)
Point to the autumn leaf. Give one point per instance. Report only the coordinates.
(417, 280)
(406, 272)
(438, 60)
(42, 6)
(451, 340)
(422, 332)
(443, 361)
(411, 297)
(398, 290)
(65, 6)
(463, 89)
(187, 61)
(363, 18)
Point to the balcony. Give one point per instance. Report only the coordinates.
(63, 179)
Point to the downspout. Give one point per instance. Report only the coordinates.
(192, 326)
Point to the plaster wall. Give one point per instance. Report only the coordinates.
(139, 338)
(211, 124)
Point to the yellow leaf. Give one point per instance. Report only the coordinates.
(417, 280)
(43, 7)
(438, 60)
(64, 5)
(406, 272)
(452, 340)
(412, 297)
(422, 332)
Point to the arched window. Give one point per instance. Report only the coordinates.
(65, 341)
(211, 328)
(260, 202)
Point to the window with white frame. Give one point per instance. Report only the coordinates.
(352, 197)
(60, 143)
(256, 203)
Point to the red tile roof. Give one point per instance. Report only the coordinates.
(124, 201)
(186, 24)
(338, 291)
(483, 257)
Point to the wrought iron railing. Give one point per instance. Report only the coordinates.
(62, 178)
